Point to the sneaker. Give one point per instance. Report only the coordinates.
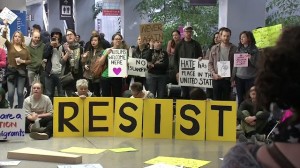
(35, 128)
(242, 138)
(238, 127)
(39, 136)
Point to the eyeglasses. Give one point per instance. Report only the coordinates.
(117, 39)
(69, 34)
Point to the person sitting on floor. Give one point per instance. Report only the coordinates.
(82, 86)
(39, 114)
(138, 92)
(253, 118)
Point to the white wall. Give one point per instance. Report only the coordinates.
(13, 4)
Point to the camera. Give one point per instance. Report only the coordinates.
(53, 39)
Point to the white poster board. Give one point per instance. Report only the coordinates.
(12, 124)
(241, 60)
(8, 15)
(137, 67)
(224, 69)
(117, 63)
(193, 72)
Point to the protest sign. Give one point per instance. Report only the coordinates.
(137, 67)
(117, 63)
(267, 36)
(224, 68)
(8, 15)
(12, 124)
(193, 72)
(241, 60)
(152, 31)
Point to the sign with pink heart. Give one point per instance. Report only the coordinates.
(117, 63)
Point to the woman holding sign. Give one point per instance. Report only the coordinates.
(158, 62)
(243, 75)
(112, 86)
(18, 57)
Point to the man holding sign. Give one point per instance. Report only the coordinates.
(220, 65)
(244, 70)
(186, 48)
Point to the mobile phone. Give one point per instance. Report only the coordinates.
(53, 39)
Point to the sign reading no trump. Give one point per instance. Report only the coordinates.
(152, 31)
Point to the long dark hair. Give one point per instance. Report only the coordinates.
(99, 46)
(213, 40)
(173, 43)
(250, 37)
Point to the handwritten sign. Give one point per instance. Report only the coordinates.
(152, 31)
(267, 36)
(224, 68)
(193, 72)
(117, 63)
(240, 60)
(12, 124)
(137, 67)
(8, 15)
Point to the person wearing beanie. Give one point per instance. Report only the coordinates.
(52, 56)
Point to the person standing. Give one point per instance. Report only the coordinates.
(224, 51)
(71, 61)
(171, 52)
(36, 49)
(243, 77)
(157, 69)
(187, 48)
(18, 57)
(52, 55)
(39, 114)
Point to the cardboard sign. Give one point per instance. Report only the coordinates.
(152, 31)
(137, 67)
(159, 118)
(98, 116)
(267, 36)
(190, 119)
(224, 68)
(68, 117)
(8, 15)
(221, 121)
(128, 117)
(117, 63)
(193, 72)
(240, 60)
(12, 124)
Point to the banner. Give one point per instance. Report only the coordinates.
(267, 36)
(224, 69)
(66, 9)
(193, 72)
(137, 67)
(117, 63)
(12, 124)
(20, 24)
(152, 31)
(241, 60)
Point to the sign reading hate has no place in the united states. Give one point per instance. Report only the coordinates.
(193, 72)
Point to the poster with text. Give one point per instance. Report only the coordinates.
(267, 36)
(137, 67)
(152, 31)
(241, 60)
(193, 72)
(117, 63)
(224, 69)
(12, 124)
(8, 15)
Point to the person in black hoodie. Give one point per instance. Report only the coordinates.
(158, 62)
(52, 55)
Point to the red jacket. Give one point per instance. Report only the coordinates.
(2, 58)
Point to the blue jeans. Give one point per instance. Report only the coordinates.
(52, 81)
(18, 82)
(157, 85)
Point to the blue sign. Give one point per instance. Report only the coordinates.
(19, 24)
